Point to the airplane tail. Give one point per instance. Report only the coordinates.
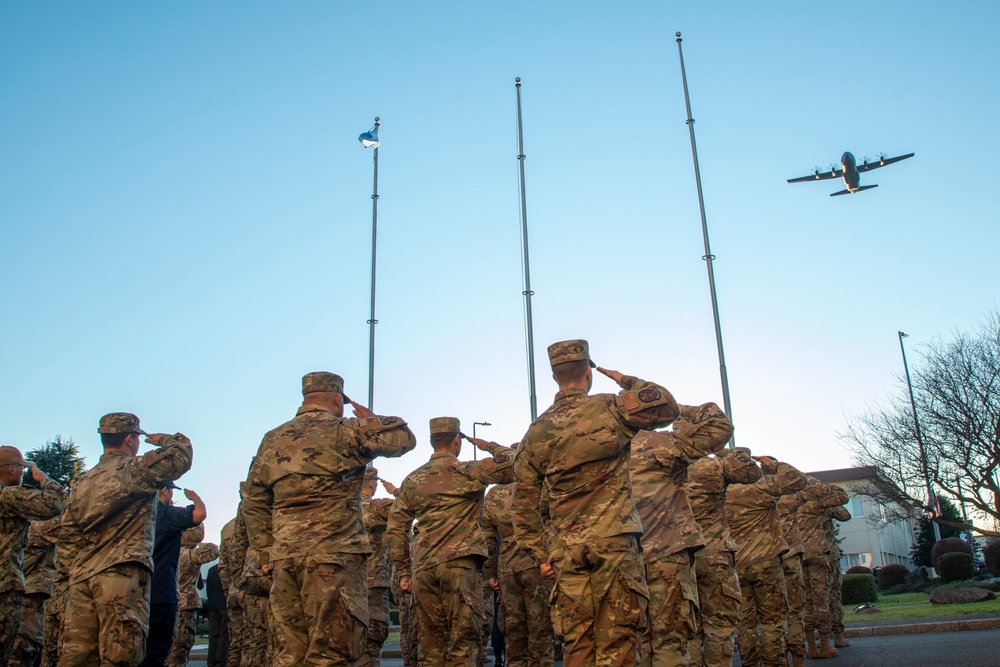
(848, 192)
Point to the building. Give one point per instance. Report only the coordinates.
(883, 521)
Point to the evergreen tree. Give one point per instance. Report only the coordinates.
(60, 459)
(924, 542)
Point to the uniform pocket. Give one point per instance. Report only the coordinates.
(631, 596)
(355, 631)
(557, 626)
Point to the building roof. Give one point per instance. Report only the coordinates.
(869, 474)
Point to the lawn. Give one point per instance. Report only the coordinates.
(917, 605)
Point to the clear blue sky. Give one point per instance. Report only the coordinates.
(186, 210)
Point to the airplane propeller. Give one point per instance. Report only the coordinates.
(881, 158)
(833, 169)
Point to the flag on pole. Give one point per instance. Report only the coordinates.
(369, 139)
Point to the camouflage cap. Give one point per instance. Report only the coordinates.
(11, 456)
(120, 422)
(371, 473)
(570, 350)
(445, 425)
(741, 450)
(322, 381)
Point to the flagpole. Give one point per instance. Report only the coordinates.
(709, 257)
(372, 321)
(524, 245)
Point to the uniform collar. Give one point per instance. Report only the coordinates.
(570, 392)
(443, 455)
(310, 408)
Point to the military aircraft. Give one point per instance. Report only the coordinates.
(850, 170)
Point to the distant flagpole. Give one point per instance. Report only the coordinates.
(709, 257)
(370, 140)
(527, 273)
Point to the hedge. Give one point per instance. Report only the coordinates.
(954, 566)
(891, 575)
(949, 545)
(991, 554)
(859, 569)
(859, 588)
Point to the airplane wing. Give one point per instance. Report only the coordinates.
(819, 176)
(875, 164)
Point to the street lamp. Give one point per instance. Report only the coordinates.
(920, 440)
(474, 425)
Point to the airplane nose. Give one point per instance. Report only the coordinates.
(847, 157)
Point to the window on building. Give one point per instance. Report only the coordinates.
(853, 560)
(856, 507)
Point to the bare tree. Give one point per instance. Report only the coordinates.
(956, 387)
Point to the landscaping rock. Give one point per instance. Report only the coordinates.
(918, 576)
(945, 595)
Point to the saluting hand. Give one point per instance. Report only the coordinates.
(614, 375)
(37, 473)
(389, 487)
(480, 443)
(155, 438)
(360, 411)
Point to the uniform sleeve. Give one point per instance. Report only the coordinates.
(166, 463)
(705, 430)
(528, 528)
(643, 405)
(396, 529)
(839, 513)
(739, 468)
(225, 555)
(381, 436)
(786, 480)
(496, 470)
(258, 498)
(490, 533)
(33, 504)
(204, 553)
(178, 518)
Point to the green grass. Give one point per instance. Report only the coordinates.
(905, 606)
(393, 637)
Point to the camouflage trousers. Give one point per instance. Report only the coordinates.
(378, 626)
(599, 602)
(448, 604)
(762, 624)
(184, 632)
(816, 574)
(258, 643)
(718, 611)
(10, 617)
(31, 632)
(407, 627)
(527, 621)
(107, 619)
(673, 611)
(55, 608)
(836, 593)
(795, 587)
(487, 624)
(234, 607)
(320, 608)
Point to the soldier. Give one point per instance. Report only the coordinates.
(39, 576)
(524, 593)
(193, 555)
(257, 648)
(670, 537)
(232, 558)
(816, 567)
(404, 600)
(302, 507)
(19, 505)
(836, 582)
(791, 567)
(444, 570)
(579, 449)
(375, 514)
(107, 540)
(715, 565)
(55, 610)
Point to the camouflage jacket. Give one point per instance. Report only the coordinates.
(226, 565)
(814, 514)
(788, 519)
(188, 572)
(19, 505)
(659, 465)
(303, 493)
(40, 556)
(751, 509)
(841, 514)
(111, 513)
(445, 496)
(707, 480)
(498, 521)
(375, 514)
(579, 448)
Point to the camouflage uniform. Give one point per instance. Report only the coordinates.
(579, 449)
(816, 563)
(524, 593)
(302, 508)
(670, 536)
(407, 619)
(445, 497)
(375, 514)
(715, 565)
(39, 577)
(193, 555)
(232, 554)
(107, 539)
(487, 627)
(791, 566)
(19, 505)
(55, 610)
(258, 640)
(836, 581)
(751, 509)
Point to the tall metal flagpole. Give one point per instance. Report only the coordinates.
(372, 321)
(708, 257)
(524, 245)
(920, 439)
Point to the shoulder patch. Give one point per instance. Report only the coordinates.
(649, 395)
(387, 420)
(502, 457)
(631, 401)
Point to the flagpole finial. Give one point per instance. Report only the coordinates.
(678, 37)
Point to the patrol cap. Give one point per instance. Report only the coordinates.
(570, 350)
(742, 450)
(120, 422)
(322, 381)
(11, 456)
(371, 473)
(445, 425)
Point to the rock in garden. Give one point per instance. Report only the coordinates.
(946, 595)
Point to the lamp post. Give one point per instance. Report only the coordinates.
(920, 440)
(474, 425)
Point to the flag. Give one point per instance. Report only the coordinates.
(369, 139)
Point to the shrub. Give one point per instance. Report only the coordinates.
(950, 545)
(859, 588)
(859, 569)
(954, 566)
(991, 554)
(891, 575)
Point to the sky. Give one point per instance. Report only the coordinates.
(185, 211)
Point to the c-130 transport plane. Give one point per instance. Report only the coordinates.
(850, 170)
